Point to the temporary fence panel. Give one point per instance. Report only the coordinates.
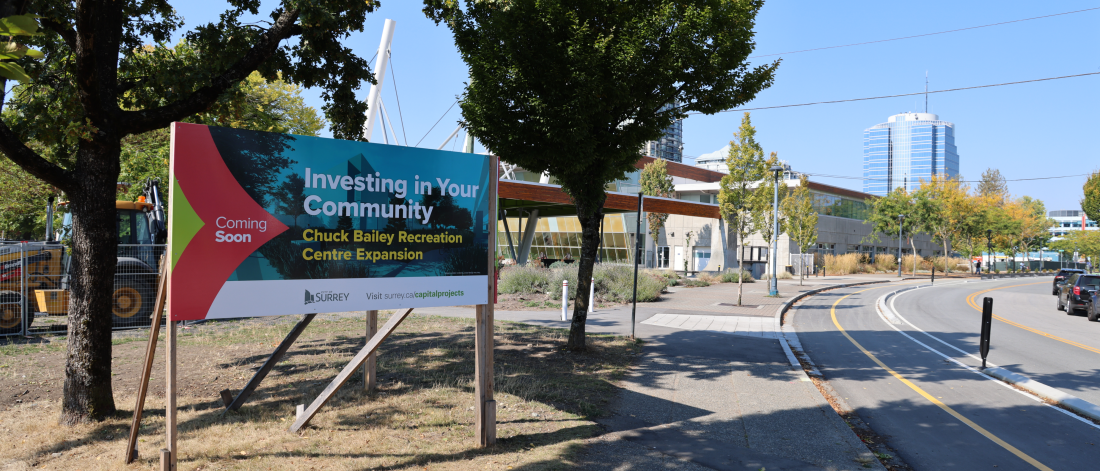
(34, 287)
(802, 262)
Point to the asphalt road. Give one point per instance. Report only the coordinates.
(938, 414)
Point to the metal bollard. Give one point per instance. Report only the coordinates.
(592, 297)
(564, 299)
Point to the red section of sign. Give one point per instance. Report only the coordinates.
(213, 193)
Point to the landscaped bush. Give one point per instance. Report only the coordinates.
(783, 275)
(955, 263)
(907, 263)
(614, 283)
(846, 264)
(885, 263)
(524, 280)
(696, 283)
(731, 277)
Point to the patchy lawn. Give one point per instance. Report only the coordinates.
(421, 415)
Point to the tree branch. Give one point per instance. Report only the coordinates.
(14, 149)
(136, 122)
(66, 33)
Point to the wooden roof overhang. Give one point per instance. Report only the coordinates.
(551, 201)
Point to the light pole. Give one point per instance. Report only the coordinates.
(901, 219)
(989, 245)
(774, 290)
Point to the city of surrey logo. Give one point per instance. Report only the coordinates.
(324, 297)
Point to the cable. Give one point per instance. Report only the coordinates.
(960, 181)
(903, 94)
(436, 123)
(399, 116)
(923, 35)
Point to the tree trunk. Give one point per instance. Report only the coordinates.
(740, 261)
(87, 391)
(590, 244)
(913, 246)
(946, 269)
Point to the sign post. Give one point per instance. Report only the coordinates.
(987, 322)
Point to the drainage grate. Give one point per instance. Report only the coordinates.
(746, 306)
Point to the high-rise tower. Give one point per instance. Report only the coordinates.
(905, 149)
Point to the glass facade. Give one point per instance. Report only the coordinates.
(906, 149)
(560, 236)
(832, 205)
(671, 145)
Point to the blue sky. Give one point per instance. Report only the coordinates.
(1031, 130)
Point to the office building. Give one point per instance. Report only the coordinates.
(907, 148)
(670, 146)
(1070, 220)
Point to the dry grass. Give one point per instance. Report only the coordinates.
(955, 263)
(419, 417)
(907, 263)
(846, 264)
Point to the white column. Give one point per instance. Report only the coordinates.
(374, 97)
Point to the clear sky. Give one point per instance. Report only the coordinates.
(1031, 130)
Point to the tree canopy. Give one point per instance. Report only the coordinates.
(1090, 203)
(737, 194)
(576, 87)
(107, 73)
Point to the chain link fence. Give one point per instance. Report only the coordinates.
(34, 287)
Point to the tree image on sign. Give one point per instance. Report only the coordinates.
(656, 181)
(575, 88)
(116, 85)
(737, 195)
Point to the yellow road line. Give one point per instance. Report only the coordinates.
(945, 407)
(972, 301)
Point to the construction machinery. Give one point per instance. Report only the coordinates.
(34, 276)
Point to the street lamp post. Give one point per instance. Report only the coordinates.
(901, 219)
(989, 246)
(1075, 254)
(774, 290)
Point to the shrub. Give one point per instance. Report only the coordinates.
(907, 263)
(557, 264)
(886, 263)
(846, 264)
(697, 283)
(524, 280)
(731, 277)
(710, 278)
(783, 275)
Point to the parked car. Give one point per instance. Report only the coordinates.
(1060, 278)
(1077, 292)
(1093, 309)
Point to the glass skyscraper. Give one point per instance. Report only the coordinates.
(904, 150)
(671, 145)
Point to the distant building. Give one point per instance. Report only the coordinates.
(1070, 220)
(669, 147)
(904, 150)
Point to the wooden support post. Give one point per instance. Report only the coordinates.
(486, 406)
(370, 367)
(273, 360)
(150, 353)
(170, 419)
(391, 325)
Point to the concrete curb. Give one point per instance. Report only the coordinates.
(1063, 399)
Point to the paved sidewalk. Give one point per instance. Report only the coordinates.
(714, 389)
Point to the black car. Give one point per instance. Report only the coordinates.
(1061, 278)
(1093, 309)
(1077, 292)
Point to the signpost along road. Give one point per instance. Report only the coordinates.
(267, 224)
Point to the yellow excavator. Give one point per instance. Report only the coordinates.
(34, 276)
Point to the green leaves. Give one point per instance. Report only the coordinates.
(19, 25)
(1091, 202)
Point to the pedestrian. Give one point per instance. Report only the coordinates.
(978, 266)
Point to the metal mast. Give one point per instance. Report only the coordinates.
(375, 96)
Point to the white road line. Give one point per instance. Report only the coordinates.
(967, 367)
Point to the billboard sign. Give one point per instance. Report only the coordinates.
(265, 224)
